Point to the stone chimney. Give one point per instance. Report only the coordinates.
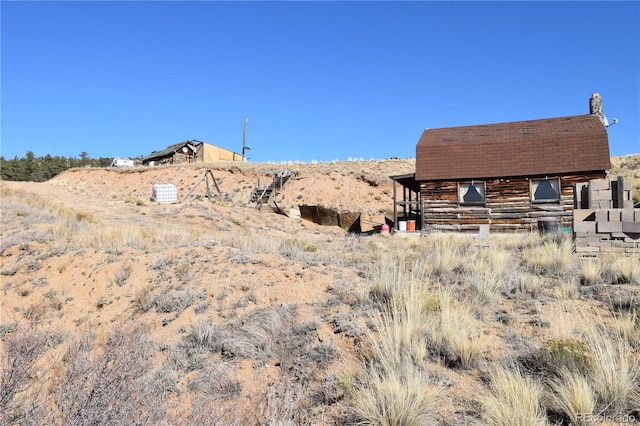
(595, 108)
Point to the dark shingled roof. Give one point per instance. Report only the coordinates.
(523, 148)
(166, 152)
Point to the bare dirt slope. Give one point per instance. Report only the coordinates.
(88, 249)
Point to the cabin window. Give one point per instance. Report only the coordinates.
(471, 193)
(545, 190)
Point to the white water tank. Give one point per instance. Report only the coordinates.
(164, 193)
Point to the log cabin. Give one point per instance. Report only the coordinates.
(504, 177)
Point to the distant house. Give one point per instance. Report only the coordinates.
(506, 175)
(191, 151)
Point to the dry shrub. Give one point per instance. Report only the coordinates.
(145, 299)
(255, 337)
(122, 275)
(107, 382)
(284, 405)
(177, 300)
(512, 400)
(205, 335)
(21, 398)
(529, 284)
(214, 380)
(568, 353)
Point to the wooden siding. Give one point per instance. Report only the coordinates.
(508, 206)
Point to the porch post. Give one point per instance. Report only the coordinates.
(395, 207)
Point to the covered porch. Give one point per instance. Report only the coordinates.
(407, 206)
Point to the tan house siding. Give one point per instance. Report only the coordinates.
(210, 154)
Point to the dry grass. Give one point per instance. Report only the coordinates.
(573, 395)
(455, 334)
(626, 325)
(395, 388)
(625, 270)
(591, 271)
(446, 252)
(486, 278)
(614, 370)
(512, 400)
(396, 398)
(552, 257)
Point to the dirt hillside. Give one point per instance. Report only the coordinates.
(254, 317)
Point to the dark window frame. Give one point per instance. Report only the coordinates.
(533, 188)
(476, 185)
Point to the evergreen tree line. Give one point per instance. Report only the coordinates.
(40, 169)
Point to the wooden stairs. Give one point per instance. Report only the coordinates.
(262, 195)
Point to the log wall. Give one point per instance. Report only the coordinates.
(508, 206)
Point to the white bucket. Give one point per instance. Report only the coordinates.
(402, 225)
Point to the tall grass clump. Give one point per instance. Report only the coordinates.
(395, 388)
(626, 325)
(625, 270)
(454, 334)
(614, 370)
(417, 316)
(512, 400)
(551, 257)
(394, 276)
(573, 395)
(396, 398)
(446, 252)
(591, 271)
(485, 280)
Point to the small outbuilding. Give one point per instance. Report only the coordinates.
(507, 176)
(191, 151)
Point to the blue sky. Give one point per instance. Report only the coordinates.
(318, 80)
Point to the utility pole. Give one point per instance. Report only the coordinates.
(244, 139)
